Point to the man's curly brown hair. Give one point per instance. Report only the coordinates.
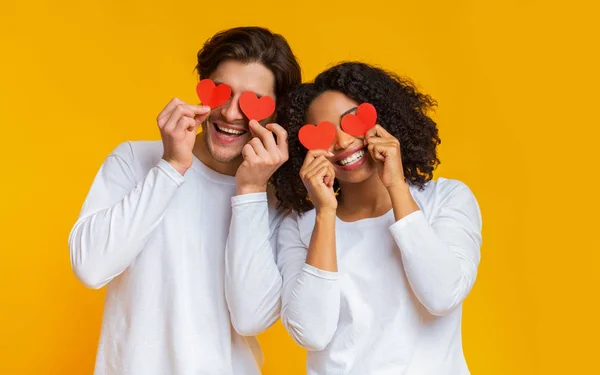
(401, 109)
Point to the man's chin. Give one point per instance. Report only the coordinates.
(224, 154)
(226, 158)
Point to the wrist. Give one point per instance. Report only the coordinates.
(402, 200)
(249, 189)
(326, 212)
(398, 189)
(179, 167)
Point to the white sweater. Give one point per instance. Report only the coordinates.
(157, 240)
(395, 304)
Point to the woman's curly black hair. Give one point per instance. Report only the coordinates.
(401, 109)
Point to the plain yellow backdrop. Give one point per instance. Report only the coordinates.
(517, 86)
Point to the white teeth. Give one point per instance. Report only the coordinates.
(230, 131)
(352, 158)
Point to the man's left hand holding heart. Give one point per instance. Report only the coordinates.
(263, 155)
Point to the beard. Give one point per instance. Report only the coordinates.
(223, 154)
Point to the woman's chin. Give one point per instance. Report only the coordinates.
(356, 175)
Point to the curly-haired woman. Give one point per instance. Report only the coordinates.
(376, 257)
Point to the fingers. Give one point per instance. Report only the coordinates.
(166, 112)
(201, 113)
(195, 112)
(377, 152)
(381, 144)
(321, 175)
(198, 119)
(310, 164)
(316, 166)
(377, 131)
(313, 154)
(249, 154)
(265, 135)
(180, 111)
(271, 151)
(282, 136)
(318, 174)
(329, 177)
(259, 148)
(185, 123)
(385, 140)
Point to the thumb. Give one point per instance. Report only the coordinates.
(379, 154)
(194, 128)
(201, 113)
(253, 125)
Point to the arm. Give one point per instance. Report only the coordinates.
(252, 280)
(321, 251)
(118, 216)
(311, 295)
(440, 257)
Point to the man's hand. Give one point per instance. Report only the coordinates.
(178, 123)
(262, 157)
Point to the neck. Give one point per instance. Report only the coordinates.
(201, 152)
(365, 199)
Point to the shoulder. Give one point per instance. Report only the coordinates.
(446, 195)
(138, 150)
(140, 156)
(442, 190)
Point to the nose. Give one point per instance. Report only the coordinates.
(231, 111)
(343, 140)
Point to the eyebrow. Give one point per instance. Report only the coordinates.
(348, 111)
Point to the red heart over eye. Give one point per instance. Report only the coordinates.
(211, 95)
(365, 118)
(318, 137)
(255, 108)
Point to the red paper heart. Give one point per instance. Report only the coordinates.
(211, 95)
(318, 137)
(365, 118)
(255, 108)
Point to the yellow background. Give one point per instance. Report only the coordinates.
(517, 84)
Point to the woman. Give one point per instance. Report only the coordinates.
(377, 257)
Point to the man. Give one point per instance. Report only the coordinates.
(156, 221)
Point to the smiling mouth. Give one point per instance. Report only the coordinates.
(228, 131)
(352, 159)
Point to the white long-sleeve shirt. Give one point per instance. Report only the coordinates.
(157, 240)
(395, 304)
(252, 281)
